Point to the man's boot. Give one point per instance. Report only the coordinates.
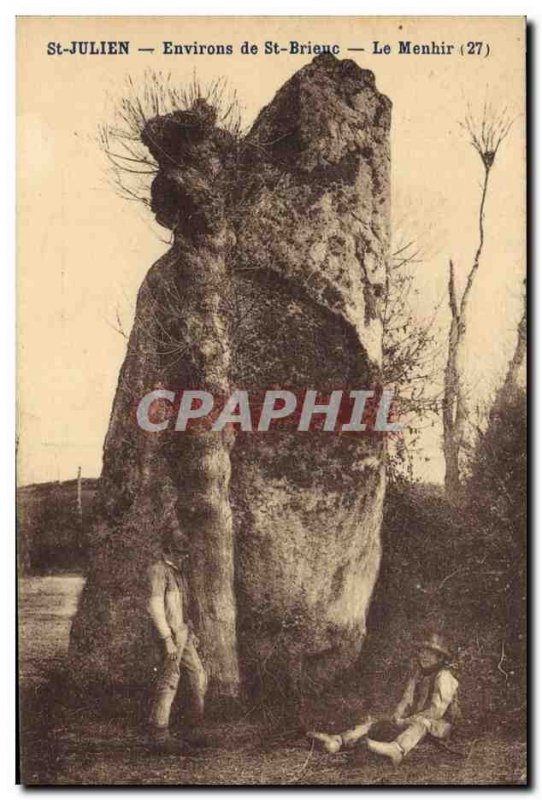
(331, 743)
(160, 741)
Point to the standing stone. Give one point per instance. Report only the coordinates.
(275, 279)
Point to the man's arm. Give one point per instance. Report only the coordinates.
(156, 606)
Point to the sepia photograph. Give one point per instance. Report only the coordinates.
(271, 401)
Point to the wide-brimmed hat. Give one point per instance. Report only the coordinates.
(437, 644)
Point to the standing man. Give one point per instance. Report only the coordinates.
(166, 606)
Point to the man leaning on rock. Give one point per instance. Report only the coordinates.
(166, 605)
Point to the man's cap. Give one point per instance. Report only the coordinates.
(437, 644)
(175, 540)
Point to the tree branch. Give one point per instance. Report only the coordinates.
(481, 235)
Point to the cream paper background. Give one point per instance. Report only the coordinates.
(83, 251)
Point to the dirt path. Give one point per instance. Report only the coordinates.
(46, 606)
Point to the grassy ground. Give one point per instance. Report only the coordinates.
(63, 743)
(101, 756)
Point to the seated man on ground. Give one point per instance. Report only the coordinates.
(429, 706)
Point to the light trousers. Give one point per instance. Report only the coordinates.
(167, 684)
(406, 735)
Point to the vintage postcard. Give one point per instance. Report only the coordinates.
(272, 401)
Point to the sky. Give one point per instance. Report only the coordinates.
(83, 251)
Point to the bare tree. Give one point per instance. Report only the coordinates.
(517, 364)
(485, 411)
(412, 352)
(485, 136)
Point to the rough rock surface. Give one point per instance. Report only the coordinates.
(275, 279)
